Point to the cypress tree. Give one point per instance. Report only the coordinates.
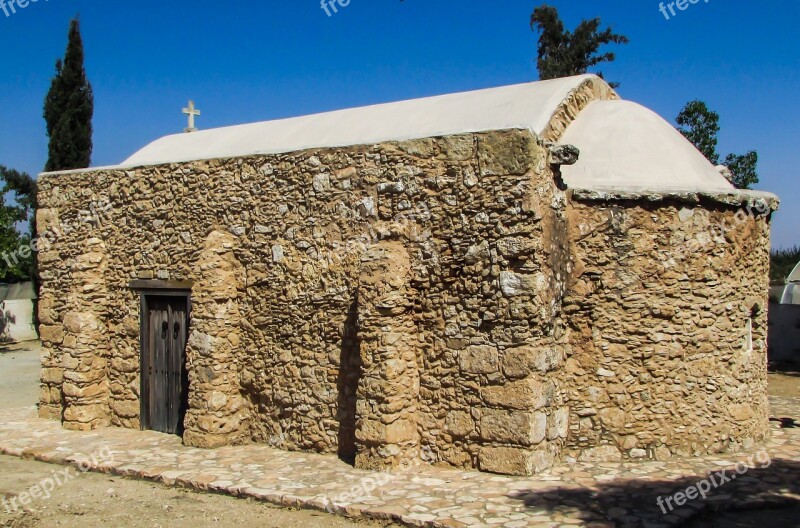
(68, 109)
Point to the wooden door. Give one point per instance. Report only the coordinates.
(164, 377)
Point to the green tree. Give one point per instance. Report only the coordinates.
(700, 126)
(23, 188)
(18, 204)
(563, 53)
(744, 169)
(68, 109)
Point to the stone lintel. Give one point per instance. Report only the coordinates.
(735, 197)
(143, 284)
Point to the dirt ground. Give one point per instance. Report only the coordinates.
(784, 384)
(19, 375)
(93, 499)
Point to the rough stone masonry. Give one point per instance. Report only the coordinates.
(447, 294)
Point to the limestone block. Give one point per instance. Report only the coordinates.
(85, 414)
(218, 425)
(89, 261)
(50, 411)
(217, 401)
(529, 393)
(601, 454)
(47, 315)
(514, 427)
(205, 440)
(459, 148)
(51, 333)
(125, 408)
(558, 424)
(612, 419)
(517, 284)
(53, 376)
(523, 361)
(391, 188)
(479, 359)
(79, 322)
(507, 154)
(376, 433)
(49, 395)
(87, 393)
(277, 253)
(477, 253)
(92, 375)
(423, 148)
(459, 423)
(563, 154)
(741, 411)
(321, 183)
(201, 342)
(47, 219)
(514, 461)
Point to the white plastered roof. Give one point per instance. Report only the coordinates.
(626, 146)
(623, 146)
(521, 106)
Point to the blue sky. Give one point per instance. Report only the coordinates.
(256, 60)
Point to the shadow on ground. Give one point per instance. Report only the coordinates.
(787, 369)
(7, 347)
(635, 503)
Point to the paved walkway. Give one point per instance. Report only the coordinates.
(582, 494)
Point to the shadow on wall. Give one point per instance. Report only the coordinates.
(635, 503)
(6, 320)
(349, 376)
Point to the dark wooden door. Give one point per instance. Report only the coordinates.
(164, 378)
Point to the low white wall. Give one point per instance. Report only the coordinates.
(784, 333)
(17, 321)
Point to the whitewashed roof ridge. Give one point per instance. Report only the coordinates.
(520, 106)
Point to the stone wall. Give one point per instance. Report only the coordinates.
(443, 296)
(667, 315)
(368, 301)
